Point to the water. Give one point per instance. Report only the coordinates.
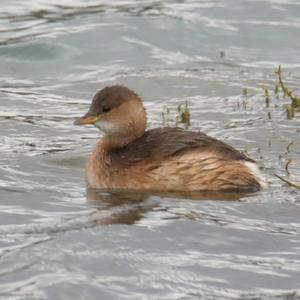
(60, 240)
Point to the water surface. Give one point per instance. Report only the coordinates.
(60, 240)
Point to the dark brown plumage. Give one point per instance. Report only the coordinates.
(159, 143)
(109, 98)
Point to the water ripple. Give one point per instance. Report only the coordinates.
(218, 56)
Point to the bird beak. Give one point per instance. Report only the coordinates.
(85, 120)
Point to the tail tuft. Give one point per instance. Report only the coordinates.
(255, 171)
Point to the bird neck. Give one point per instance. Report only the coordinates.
(132, 123)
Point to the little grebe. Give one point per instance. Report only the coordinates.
(161, 159)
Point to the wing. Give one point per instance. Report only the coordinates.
(166, 142)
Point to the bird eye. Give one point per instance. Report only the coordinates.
(106, 110)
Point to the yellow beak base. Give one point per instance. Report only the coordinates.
(86, 120)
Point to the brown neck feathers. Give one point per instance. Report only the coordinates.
(132, 120)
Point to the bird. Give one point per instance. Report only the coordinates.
(129, 157)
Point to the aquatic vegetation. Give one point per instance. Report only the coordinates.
(275, 100)
(244, 103)
(288, 161)
(167, 120)
(267, 97)
(183, 116)
(286, 91)
(281, 87)
(289, 108)
(296, 186)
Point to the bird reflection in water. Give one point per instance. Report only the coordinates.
(130, 207)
